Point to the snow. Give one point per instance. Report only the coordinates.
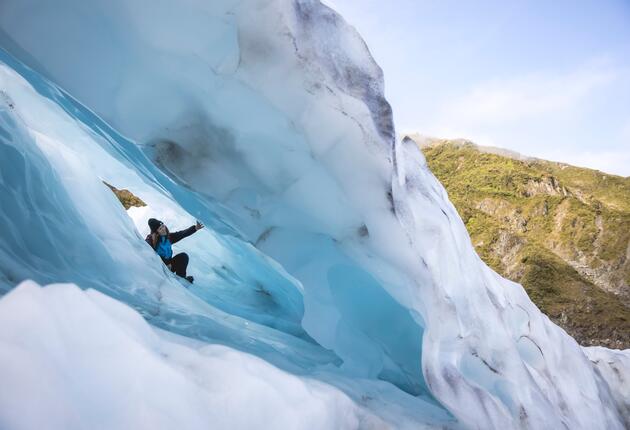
(117, 372)
(331, 251)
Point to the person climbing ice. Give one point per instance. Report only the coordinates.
(161, 240)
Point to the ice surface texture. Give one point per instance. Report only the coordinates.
(269, 120)
(65, 378)
(66, 225)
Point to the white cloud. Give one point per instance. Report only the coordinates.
(525, 97)
(551, 116)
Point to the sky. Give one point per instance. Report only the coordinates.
(549, 79)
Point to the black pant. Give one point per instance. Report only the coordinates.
(178, 264)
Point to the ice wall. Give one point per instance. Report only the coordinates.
(272, 111)
(64, 224)
(219, 122)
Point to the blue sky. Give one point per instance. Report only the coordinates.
(549, 79)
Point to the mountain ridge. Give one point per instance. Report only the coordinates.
(425, 141)
(560, 230)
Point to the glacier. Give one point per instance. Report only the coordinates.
(334, 280)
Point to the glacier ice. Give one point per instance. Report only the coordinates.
(54, 199)
(332, 252)
(175, 382)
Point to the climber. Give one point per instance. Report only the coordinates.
(161, 240)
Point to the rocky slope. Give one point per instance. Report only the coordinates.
(126, 197)
(561, 231)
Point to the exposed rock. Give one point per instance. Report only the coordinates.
(546, 186)
(126, 197)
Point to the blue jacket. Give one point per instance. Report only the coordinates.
(153, 239)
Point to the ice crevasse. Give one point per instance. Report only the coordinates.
(335, 283)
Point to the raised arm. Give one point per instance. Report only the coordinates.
(179, 235)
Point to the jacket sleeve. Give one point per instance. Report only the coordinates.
(179, 235)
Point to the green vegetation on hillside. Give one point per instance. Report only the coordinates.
(563, 232)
